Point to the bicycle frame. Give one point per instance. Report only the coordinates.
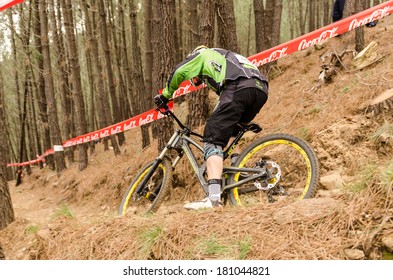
(181, 142)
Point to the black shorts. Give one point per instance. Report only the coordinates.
(234, 107)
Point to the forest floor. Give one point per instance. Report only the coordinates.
(74, 216)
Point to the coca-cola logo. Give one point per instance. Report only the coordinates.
(160, 115)
(86, 139)
(104, 133)
(67, 144)
(132, 124)
(115, 130)
(95, 136)
(182, 90)
(272, 57)
(377, 14)
(327, 34)
(149, 118)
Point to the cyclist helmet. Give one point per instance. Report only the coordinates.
(197, 50)
(196, 81)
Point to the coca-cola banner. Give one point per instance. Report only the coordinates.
(259, 59)
(4, 4)
(137, 121)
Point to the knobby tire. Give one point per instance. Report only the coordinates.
(298, 162)
(154, 191)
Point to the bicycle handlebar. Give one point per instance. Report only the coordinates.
(165, 110)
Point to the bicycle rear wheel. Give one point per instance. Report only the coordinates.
(291, 165)
(152, 193)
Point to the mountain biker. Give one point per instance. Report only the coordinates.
(243, 91)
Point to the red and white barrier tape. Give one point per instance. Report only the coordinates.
(258, 59)
(4, 4)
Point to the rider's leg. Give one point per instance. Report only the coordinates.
(220, 127)
(214, 165)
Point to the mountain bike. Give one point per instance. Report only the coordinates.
(273, 166)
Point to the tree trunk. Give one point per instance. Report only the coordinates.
(193, 36)
(6, 209)
(163, 41)
(259, 14)
(312, 17)
(276, 28)
(359, 33)
(80, 117)
(103, 105)
(50, 89)
(109, 73)
(326, 12)
(148, 30)
(130, 90)
(143, 97)
(4, 131)
(25, 34)
(33, 122)
(92, 108)
(302, 12)
(198, 103)
(351, 7)
(14, 56)
(64, 85)
(41, 98)
(7, 215)
(227, 25)
(36, 118)
(124, 106)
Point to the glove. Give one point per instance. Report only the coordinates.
(160, 101)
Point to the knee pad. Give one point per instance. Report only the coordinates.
(210, 149)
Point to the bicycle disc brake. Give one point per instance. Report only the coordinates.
(274, 175)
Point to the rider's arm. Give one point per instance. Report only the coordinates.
(208, 63)
(186, 70)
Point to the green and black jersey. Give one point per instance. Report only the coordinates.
(216, 67)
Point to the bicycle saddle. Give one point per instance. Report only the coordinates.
(251, 126)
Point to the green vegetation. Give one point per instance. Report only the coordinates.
(213, 246)
(385, 129)
(366, 177)
(63, 211)
(304, 133)
(317, 108)
(387, 256)
(31, 229)
(387, 176)
(372, 173)
(150, 238)
(244, 247)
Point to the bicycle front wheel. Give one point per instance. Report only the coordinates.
(152, 193)
(291, 167)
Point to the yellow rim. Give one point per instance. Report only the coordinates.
(131, 192)
(269, 143)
